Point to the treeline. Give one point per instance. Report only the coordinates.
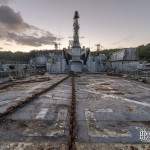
(19, 57)
(8, 56)
(144, 52)
(24, 57)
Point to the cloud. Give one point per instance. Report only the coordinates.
(24, 39)
(1, 48)
(14, 29)
(5, 2)
(11, 20)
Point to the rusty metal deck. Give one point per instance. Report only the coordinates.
(107, 113)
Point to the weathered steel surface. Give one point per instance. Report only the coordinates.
(92, 112)
(111, 109)
(29, 98)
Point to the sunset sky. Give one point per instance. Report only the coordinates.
(37, 24)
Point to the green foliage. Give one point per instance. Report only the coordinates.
(7, 56)
(20, 57)
(144, 52)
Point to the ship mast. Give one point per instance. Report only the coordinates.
(76, 28)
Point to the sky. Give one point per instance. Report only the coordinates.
(38, 24)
